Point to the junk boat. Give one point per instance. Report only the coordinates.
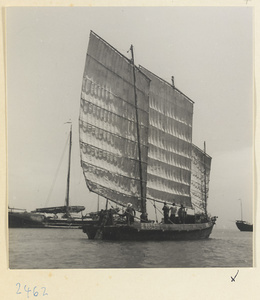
(136, 149)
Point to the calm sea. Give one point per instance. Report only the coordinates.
(70, 248)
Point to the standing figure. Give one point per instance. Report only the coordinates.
(173, 213)
(110, 220)
(166, 213)
(101, 215)
(130, 214)
(182, 214)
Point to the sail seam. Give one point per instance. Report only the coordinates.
(117, 74)
(152, 106)
(113, 154)
(167, 83)
(100, 185)
(110, 92)
(117, 174)
(121, 117)
(120, 54)
(114, 134)
(171, 165)
(170, 153)
(168, 181)
(171, 118)
(169, 134)
(163, 201)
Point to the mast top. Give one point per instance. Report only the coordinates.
(173, 82)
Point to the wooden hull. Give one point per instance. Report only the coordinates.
(34, 220)
(66, 223)
(244, 226)
(25, 220)
(150, 232)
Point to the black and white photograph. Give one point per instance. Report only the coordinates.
(130, 137)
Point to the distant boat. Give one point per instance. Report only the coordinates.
(136, 147)
(243, 225)
(51, 217)
(20, 218)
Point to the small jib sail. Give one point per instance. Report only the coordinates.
(136, 134)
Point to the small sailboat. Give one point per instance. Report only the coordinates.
(243, 225)
(136, 150)
(51, 217)
(62, 216)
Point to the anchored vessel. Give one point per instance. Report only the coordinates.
(243, 225)
(20, 218)
(61, 216)
(51, 217)
(136, 149)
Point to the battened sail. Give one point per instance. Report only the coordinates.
(201, 164)
(170, 137)
(107, 124)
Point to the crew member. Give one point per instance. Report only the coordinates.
(182, 214)
(173, 213)
(166, 213)
(130, 214)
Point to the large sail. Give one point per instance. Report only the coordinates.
(170, 137)
(201, 164)
(108, 126)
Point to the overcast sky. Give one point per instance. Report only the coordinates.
(208, 51)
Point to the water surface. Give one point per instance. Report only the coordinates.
(43, 248)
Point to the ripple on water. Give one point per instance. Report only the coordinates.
(70, 248)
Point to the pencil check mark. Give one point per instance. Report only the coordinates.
(233, 278)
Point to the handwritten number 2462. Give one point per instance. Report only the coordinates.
(27, 290)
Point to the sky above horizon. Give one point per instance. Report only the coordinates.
(208, 50)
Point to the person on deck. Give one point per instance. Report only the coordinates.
(166, 213)
(182, 214)
(130, 214)
(110, 220)
(101, 215)
(173, 213)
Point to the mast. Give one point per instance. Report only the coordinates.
(241, 209)
(143, 202)
(205, 180)
(68, 176)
